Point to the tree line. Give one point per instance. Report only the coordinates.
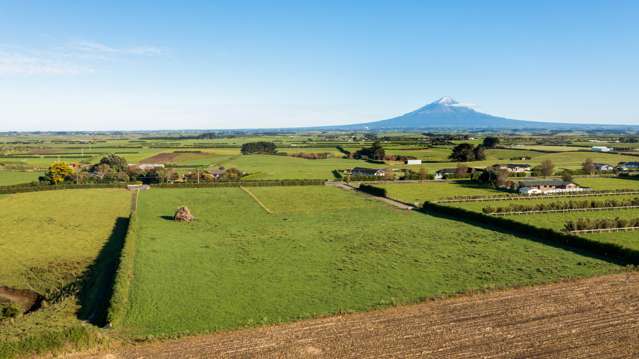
(115, 169)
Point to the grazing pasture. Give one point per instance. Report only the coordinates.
(321, 251)
(608, 183)
(50, 237)
(432, 191)
(286, 167)
(50, 241)
(9, 178)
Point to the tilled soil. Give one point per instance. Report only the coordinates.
(589, 318)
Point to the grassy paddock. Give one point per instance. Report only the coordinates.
(432, 191)
(60, 244)
(322, 251)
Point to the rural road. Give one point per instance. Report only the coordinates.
(588, 318)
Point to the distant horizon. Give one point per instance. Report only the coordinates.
(223, 65)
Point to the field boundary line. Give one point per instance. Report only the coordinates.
(120, 297)
(256, 199)
(531, 197)
(601, 230)
(562, 210)
(613, 251)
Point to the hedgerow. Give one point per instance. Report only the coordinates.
(567, 205)
(600, 223)
(375, 191)
(606, 249)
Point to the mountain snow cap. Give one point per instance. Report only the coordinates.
(447, 100)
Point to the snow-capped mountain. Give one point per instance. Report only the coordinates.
(448, 113)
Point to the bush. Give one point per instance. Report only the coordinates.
(375, 191)
(9, 310)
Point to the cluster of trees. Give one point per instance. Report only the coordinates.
(260, 147)
(229, 174)
(610, 203)
(399, 158)
(115, 169)
(312, 156)
(600, 223)
(465, 152)
(375, 152)
(420, 175)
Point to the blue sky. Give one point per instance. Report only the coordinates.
(70, 65)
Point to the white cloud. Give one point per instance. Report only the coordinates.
(100, 48)
(71, 59)
(13, 63)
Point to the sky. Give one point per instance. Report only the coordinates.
(144, 65)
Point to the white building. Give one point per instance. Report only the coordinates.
(548, 186)
(413, 162)
(601, 149)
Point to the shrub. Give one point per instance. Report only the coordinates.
(375, 191)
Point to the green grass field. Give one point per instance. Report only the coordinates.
(322, 251)
(285, 167)
(608, 183)
(431, 191)
(9, 178)
(49, 240)
(50, 237)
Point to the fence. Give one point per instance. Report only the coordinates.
(610, 250)
(600, 230)
(561, 210)
(537, 196)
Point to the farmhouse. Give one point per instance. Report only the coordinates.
(368, 172)
(603, 167)
(548, 186)
(601, 149)
(513, 167)
(413, 162)
(147, 166)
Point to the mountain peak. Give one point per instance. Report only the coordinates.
(446, 100)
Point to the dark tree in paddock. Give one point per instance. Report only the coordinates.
(491, 142)
(261, 147)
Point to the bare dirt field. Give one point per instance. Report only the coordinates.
(589, 318)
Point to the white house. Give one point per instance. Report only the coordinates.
(548, 186)
(601, 149)
(413, 162)
(603, 167)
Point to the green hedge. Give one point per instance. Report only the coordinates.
(609, 250)
(124, 275)
(370, 189)
(248, 183)
(38, 187)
